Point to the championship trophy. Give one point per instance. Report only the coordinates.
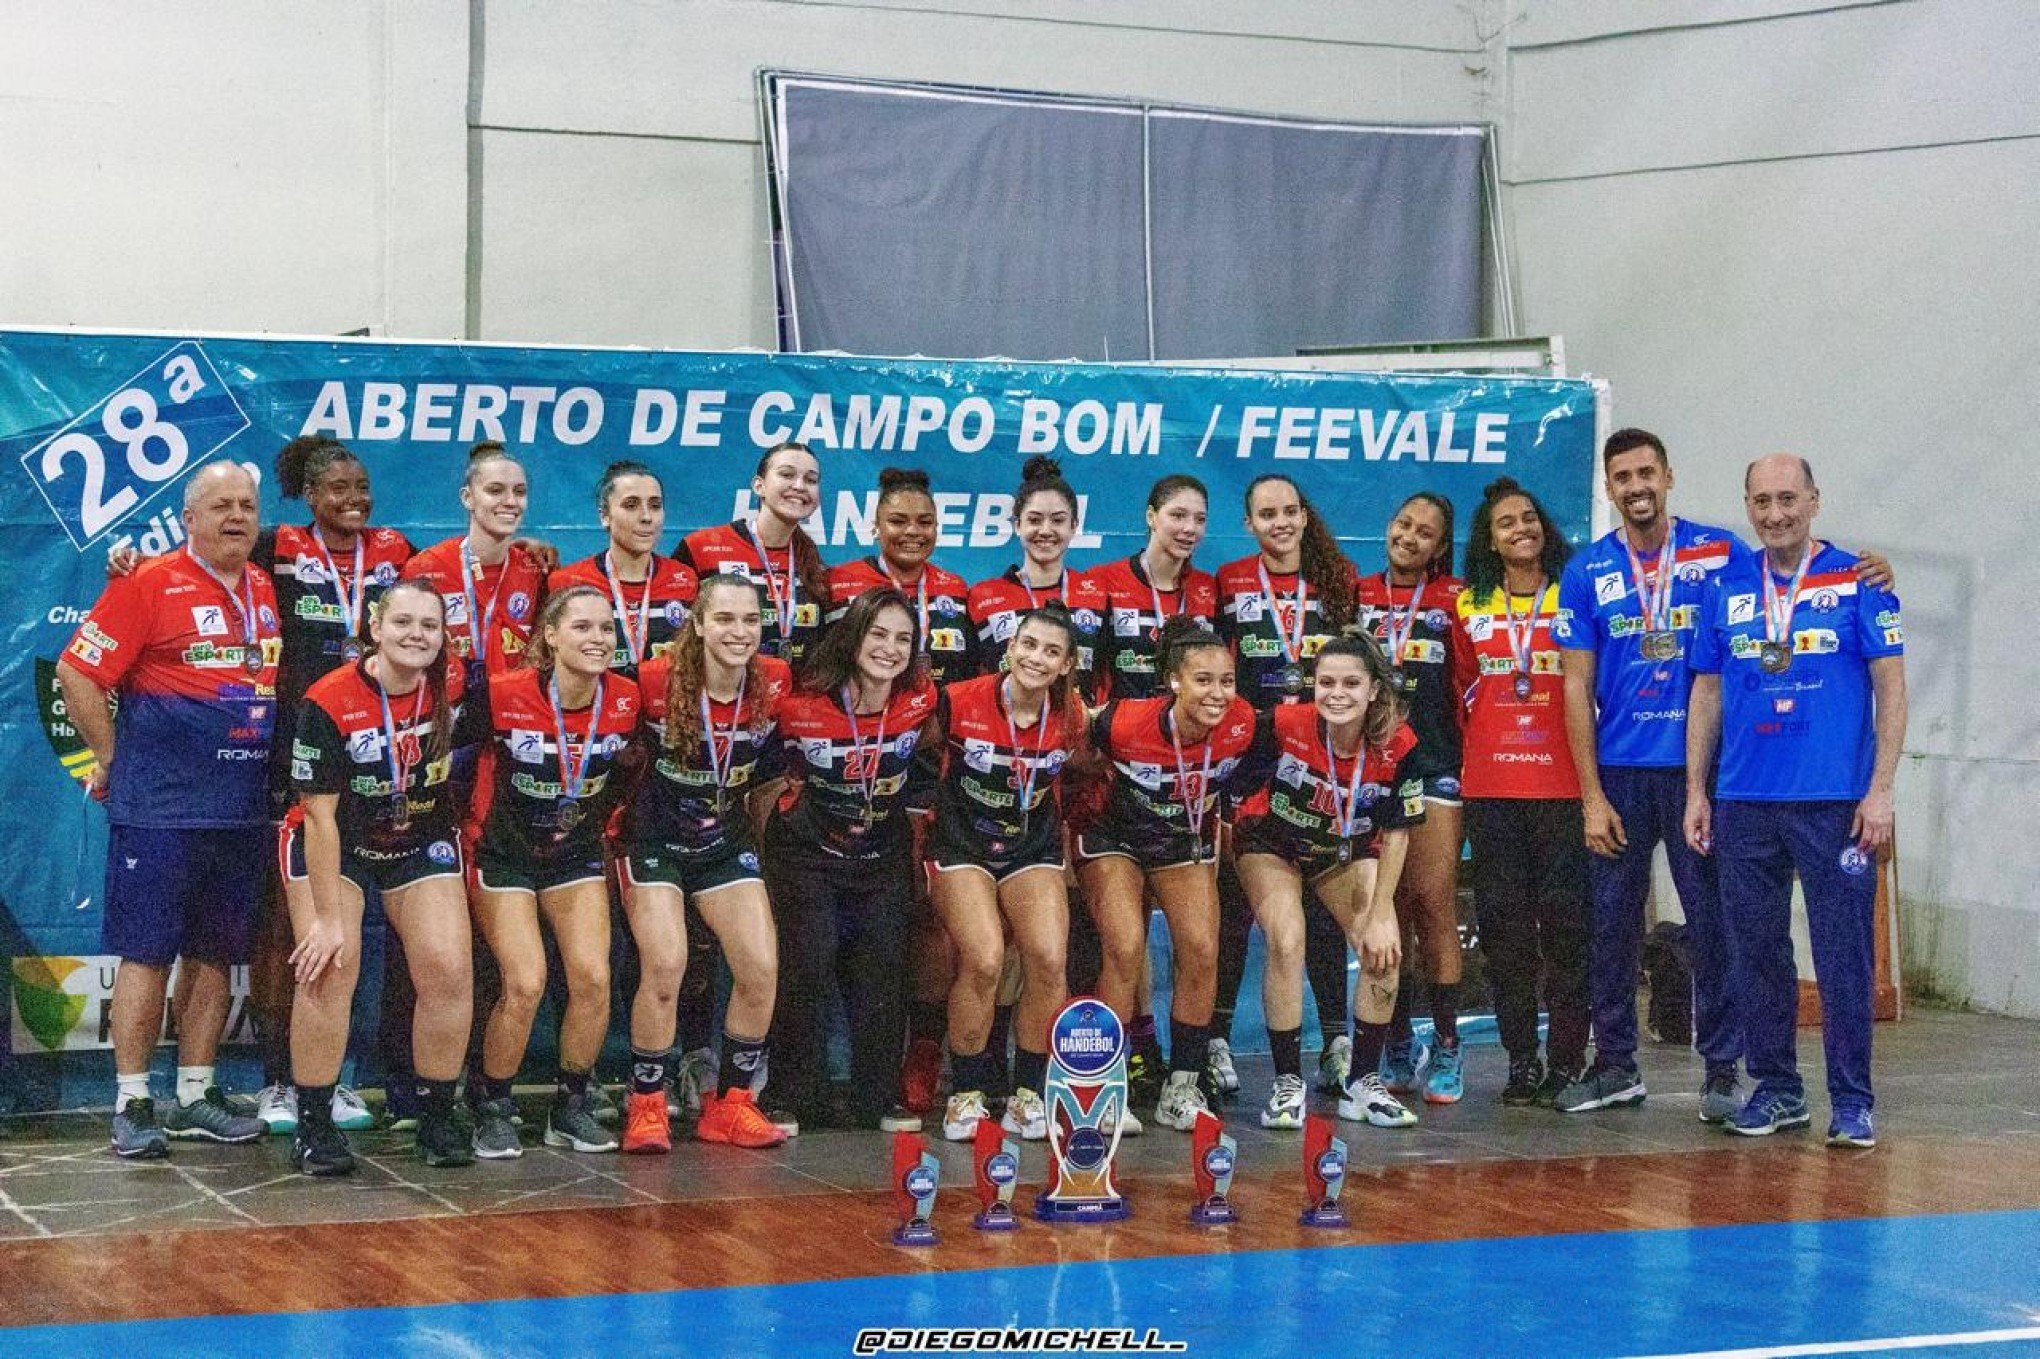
(1213, 1155)
(998, 1172)
(1324, 1174)
(916, 1172)
(1086, 1094)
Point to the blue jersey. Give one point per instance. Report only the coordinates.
(1640, 700)
(1806, 733)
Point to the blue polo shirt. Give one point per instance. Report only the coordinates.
(1640, 703)
(1807, 734)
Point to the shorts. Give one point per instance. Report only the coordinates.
(1163, 852)
(1004, 860)
(175, 892)
(693, 871)
(491, 874)
(372, 870)
(1255, 837)
(1442, 789)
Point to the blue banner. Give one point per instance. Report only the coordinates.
(98, 432)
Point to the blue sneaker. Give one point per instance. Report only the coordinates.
(1443, 1081)
(1770, 1111)
(136, 1134)
(1398, 1067)
(1851, 1128)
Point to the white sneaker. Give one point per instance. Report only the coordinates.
(966, 1110)
(350, 1112)
(696, 1074)
(1182, 1100)
(1367, 1101)
(1225, 1077)
(1026, 1117)
(1287, 1105)
(1335, 1064)
(1130, 1124)
(276, 1106)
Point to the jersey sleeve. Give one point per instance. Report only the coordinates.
(1257, 766)
(1880, 630)
(1100, 730)
(1704, 656)
(1573, 626)
(109, 643)
(318, 754)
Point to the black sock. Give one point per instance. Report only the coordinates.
(1030, 1070)
(927, 1019)
(1002, 1035)
(1286, 1046)
(273, 1040)
(436, 1097)
(970, 1070)
(315, 1105)
(1189, 1046)
(1368, 1040)
(647, 1072)
(1445, 1011)
(1141, 1039)
(571, 1085)
(495, 1088)
(1399, 1021)
(743, 1059)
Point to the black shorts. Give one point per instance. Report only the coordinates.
(727, 862)
(1152, 853)
(370, 870)
(1001, 860)
(1257, 837)
(492, 874)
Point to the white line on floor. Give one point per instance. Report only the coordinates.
(1897, 1342)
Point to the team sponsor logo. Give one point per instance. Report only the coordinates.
(527, 747)
(807, 615)
(748, 861)
(978, 755)
(1887, 618)
(1249, 608)
(456, 609)
(209, 620)
(267, 615)
(1609, 587)
(1824, 601)
(1692, 572)
(442, 852)
(907, 741)
(675, 612)
(384, 574)
(1004, 625)
(816, 751)
(1480, 627)
(1437, 620)
(1147, 776)
(1854, 861)
(1894, 637)
(1126, 622)
(945, 639)
(1292, 771)
(1815, 642)
(519, 605)
(1743, 648)
(364, 747)
(1741, 609)
(1447, 786)
(946, 606)
(1087, 620)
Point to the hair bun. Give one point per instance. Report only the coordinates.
(892, 479)
(1040, 467)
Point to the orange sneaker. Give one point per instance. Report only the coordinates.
(735, 1119)
(921, 1075)
(645, 1127)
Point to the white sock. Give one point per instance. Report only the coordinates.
(192, 1083)
(130, 1087)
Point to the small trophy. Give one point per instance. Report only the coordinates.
(916, 1173)
(1324, 1174)
(998, 1171)
(1213, 1155)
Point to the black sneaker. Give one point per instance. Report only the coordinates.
(320, 1149)
(1554, 1084)
(1526, 1075)
(1143, 1080)
(446, 1139)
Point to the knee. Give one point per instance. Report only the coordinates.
(588, 977)
(1285, 945)
(1123, 951)
(978, 968)
(523, 987)
(438, 974)
(1047, 966)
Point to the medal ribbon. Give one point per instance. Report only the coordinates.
(786, 597)
(720, 769)
(1654, 601)
(350, 604)
(1182, 592)
(1779, 607)
(400, 773)
(479, 618)
(244, 603)
(1398, 624)
(1292, 645)
(1054, 592)
(921, 600)
(867, 783)
(1523, 640)
(1026, 790)
(573, 773)
(1194, 809)
(1348, 812)
(633, 636)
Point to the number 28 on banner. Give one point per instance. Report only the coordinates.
(122, 452)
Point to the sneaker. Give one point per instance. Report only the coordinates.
(693, 1081)
(276, 1106)
(1143, 1080)
(1557, 1078)
(920, 1076)
(1720, 1094)
(1444, 1077)
(1398, 1067)
(320, 1149)
(899, 1118)
(1770, 1111)
(572, 1122)
(1851, 1128)
(785, 1120)
(1129, 1123)
(448, 1140)
(1526, 1074)
(734, 1119)
(646, 1126)
(1182, 1100)
(1026, 1116)
(1225, 1077)
(1334, 1064)
(602, 1106)
(1367, 1101)
(136, 1134)
(1287, 1105)
(1603, 1087)
(401, 1107)
(211, 1120)
(495, 1136)
(966, 1110)
(350, 1112)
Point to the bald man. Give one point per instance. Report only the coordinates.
(1799, 677)
(190, 643)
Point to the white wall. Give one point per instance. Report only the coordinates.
(1816, 231)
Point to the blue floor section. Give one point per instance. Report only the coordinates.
(1622, 1293)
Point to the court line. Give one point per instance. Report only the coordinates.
(1896, 1342)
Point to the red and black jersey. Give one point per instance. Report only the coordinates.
(730, 550)
(343, 746)
(854, 777)
(1275, 650)
(321, 599)
(680, 805)
(1311, 805)
(941, 600)
(1149, 804)
(648, 611)
(1134, 614)
(1423, 621)
(499, 614)
(997, 606)
(1515, 744)
(999, 780)
(522, 808)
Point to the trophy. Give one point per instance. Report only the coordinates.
(1213, 1155)
(916, 1173)
(998, 1172)
(1324, 1174)
(1086, 1093)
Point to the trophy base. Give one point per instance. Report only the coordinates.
(1048, 1209)
(916, 1232)
(1213, 1212)
(1325, 1215)
(997, 1218)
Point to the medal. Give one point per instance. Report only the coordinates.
(478, 616)
(1654, 595)
(1774, 657)
(721, 768)
(398, 813)
(1197, 808)
(1346, 810)
(1523, 637)
(1523, 687)
(867, 767)
(567, 809)
(350, 600)
(251, 660)
(244, 605)
(1291, 679)
(786, 596)
(350, 651)
(1023, 785)
(1396, 627)
(635, 634)
(1289, 638)
(1345, 851)
(567, 814)
(1776, 653)
(1660, 646)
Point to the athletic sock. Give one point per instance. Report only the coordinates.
(314, 1105)
(1286, 1047)
(571, 1085)
(1399, 1020)
(126, 1088)
(436, 1097)
(495, 1087)
(970, 1070)
(192, 1083)
(743, 1061)
(995, 1049)
(647, 1072)
(1030, 1070)
(1368, 1040)
(1189, 1046)
(1445, 1010)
